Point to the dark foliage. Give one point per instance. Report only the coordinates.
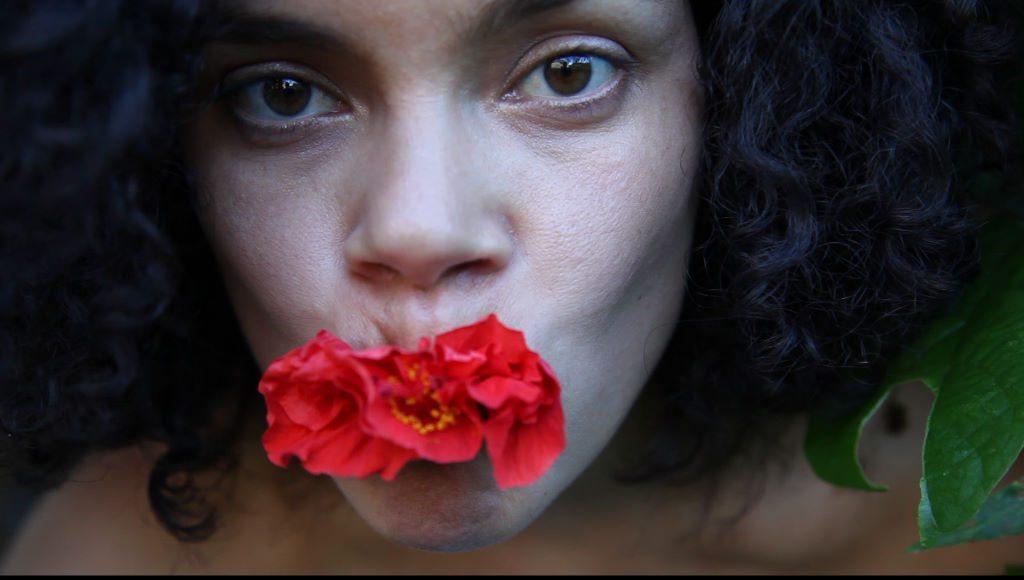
(833, 223)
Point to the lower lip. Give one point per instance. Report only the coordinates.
(475, 473)
(453, 488)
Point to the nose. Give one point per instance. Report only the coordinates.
(427, 214)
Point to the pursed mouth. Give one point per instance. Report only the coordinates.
(409, 331)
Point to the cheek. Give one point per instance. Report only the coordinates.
(604, 221)
(272, 220)
(609, 228)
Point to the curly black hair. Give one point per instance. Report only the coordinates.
(840, 141)
(841, 144)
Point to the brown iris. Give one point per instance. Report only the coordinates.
(568, 75)
(286, 97)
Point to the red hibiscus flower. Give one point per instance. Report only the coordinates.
(315, 395)
(415, 407)
(354, 413)
(525, 428)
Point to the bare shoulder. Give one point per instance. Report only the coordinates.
(98, 521)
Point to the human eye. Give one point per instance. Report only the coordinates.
(575, 79)
(273, 98)
(569, 75)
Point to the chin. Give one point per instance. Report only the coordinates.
(442, 508)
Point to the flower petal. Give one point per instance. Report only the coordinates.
(328, 340)
(354, 413)
(346, 451)
(313, 406)
(478, 336)
(522, 453)
(495, 392)
(284, 440)
(460, 441)
(460, 365)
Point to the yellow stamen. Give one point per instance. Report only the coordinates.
(444, 415)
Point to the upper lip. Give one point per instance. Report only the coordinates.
(406, 330)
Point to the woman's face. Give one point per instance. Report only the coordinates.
(391, 170)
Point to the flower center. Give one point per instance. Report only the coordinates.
(425, 412)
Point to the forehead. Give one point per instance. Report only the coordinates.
(441, 24)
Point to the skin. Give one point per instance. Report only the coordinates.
(437, 189)
(442, 188)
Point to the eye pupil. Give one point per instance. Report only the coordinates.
(568, 75)
(285, 96)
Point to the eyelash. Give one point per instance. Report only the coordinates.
(570, 106)
(253, 77)
(623, 66)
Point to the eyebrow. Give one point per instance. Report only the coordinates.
(235, 25)
(240, 27)
(503, 14)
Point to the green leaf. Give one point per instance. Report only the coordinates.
(1002, 515)
(925, 521)
(831, 446)
(976, 428)
(971, 358)
(1014, 570)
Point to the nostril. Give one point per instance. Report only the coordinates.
(477, 267)
(383, 273)
(375, 271)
